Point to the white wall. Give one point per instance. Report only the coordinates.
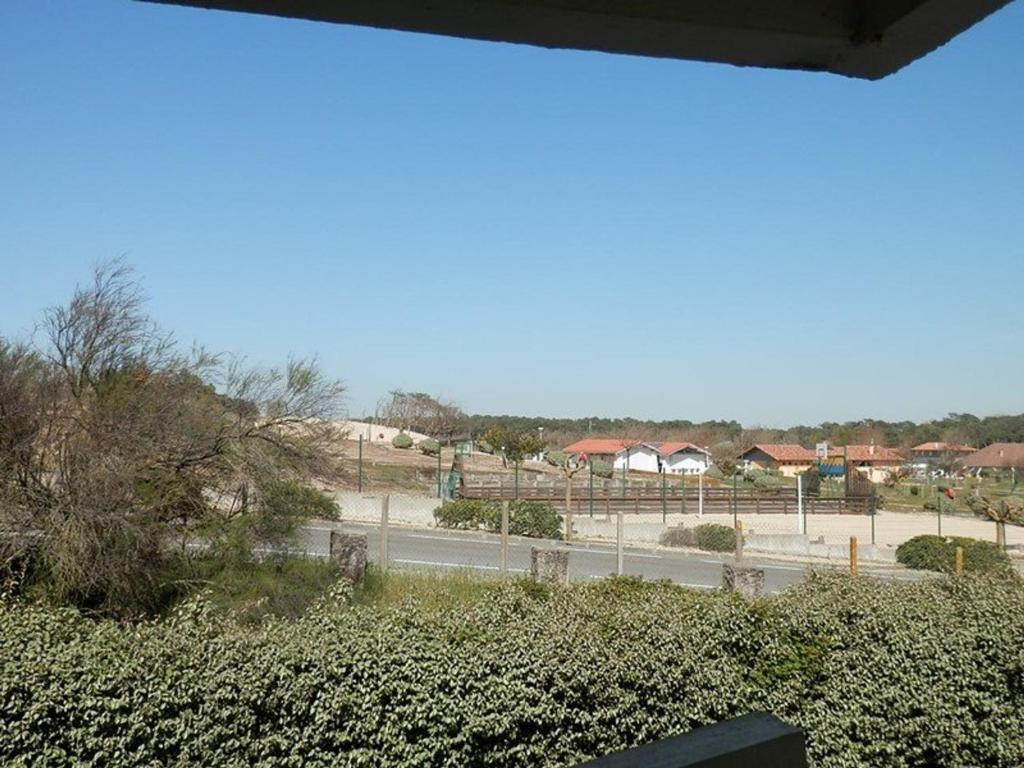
(641, 458)
(687, 463)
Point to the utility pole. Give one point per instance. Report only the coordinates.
(360, 481)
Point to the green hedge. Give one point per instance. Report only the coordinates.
(537, 519)
(879, 674)
(401, 440)
(710, 537)
(938, 553)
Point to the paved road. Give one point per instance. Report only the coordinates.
(421, 549)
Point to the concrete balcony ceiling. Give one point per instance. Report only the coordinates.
(859, 38)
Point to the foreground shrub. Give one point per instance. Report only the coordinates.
(938, 553)
(878, 674)
(429, 447)
(401, 440)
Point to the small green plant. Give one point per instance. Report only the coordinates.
(711, 537)
(401, 440)
(602, 469)
(429, 447)
(915, 490)
(464, 513)
(938, 553)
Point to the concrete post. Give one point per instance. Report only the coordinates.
(384, 510)
(749, 582)
(504, 538)
(801, 523)
(739, 540)
(349, 551)
(853, 555)
(700, 495)
(958, 562)
(618, 543)
(550, 565)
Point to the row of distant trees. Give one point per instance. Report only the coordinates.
(731, 438)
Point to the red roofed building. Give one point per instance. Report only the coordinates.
(788, 458)
(875, 461)
(672, 457)
(927, 454)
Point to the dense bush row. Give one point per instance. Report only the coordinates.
(879, 674)
(938, 553)
(526, 518)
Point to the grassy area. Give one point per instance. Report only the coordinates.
(431, 590)
(252, 591)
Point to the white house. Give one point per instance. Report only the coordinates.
(674, 458)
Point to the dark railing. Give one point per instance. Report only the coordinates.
(752, 741)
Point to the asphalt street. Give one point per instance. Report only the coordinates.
(428, 549)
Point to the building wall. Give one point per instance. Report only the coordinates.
(641, 458)
(687, 463)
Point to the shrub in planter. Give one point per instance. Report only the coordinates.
(602, 469)
(429, 447)
(938, 553)
(401, 440)
(464, 513)
(713, 537)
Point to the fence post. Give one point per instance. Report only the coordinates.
(700, 495)
(504, 538)
(958, 562)
(801, 523)
(853, 555)
(515, 494)
(591, 488)
(682, 487)
(735, 510)
(384, 510)
(664, 501)
(360, 483)
(739, 539)
(636, 503)
(872, 525)
(618, 542)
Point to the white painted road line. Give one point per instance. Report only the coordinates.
(453, 565)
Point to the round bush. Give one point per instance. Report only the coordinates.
(713, 537)
(484, 447)
(602, 469)
(429, 447)
(678, 537)
(938, 553)
(536, 519)
(465, 513)
(401, 440)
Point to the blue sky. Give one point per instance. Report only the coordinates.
(528, 231)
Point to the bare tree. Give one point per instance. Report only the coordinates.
(115, 447)
(420, 412)
(1001, 512)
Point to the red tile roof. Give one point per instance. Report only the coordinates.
(869, 454)
(784, 451)
(997, 455)
(947, 447)
(599, 445)
(668, 448)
